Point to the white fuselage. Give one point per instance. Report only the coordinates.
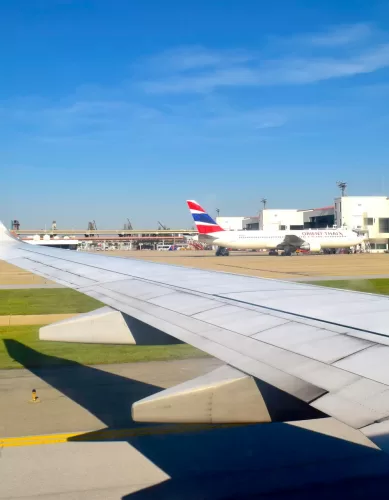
(315, 239)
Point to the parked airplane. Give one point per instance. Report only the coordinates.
(287, 241)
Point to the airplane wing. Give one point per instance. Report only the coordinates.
(291, 241)
(325, 347)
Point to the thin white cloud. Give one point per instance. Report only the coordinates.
(311, 70)
(256, 119)
(70, 119)
(204, 82)
(341, 35)
(340, 51)
(196, 57)
(196, 72)
(94, 107)
(281, 71)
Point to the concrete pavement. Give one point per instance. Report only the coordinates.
(144, 461)
(133, 461)
(76, 471)
(78, 398)
(229, 463)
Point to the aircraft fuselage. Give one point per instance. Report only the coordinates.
(311, 239)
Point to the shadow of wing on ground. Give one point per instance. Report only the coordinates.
(145, 334)
(259, 459)
(219, 463)
(105, 395)
(355, 489)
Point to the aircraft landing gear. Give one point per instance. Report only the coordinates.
(287, 252)
(222, 252)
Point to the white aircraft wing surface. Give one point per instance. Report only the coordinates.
(326, 347)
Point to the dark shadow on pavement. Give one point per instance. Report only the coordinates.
(105, 395)
(145, 334)
(269, 461)
(262, 460)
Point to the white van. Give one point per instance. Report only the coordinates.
(163, 248)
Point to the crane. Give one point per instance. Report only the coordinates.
(91, 227)
(161, 226)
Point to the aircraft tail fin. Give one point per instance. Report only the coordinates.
(5, 235)
(204, 222)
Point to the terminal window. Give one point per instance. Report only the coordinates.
(384, 225)
(378, 246)
(369, 221)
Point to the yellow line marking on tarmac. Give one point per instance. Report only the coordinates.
(108, 434)
(34, 440)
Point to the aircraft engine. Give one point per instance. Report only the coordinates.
(312, 247)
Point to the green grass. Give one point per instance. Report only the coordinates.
(45, 301)
(370, 286)
(21, 348)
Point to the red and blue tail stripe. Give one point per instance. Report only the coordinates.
(204, 222)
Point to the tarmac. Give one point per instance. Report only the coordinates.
(79, 442)
(78, 398)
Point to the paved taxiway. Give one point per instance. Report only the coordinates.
(69, 459)
(148, 461)
(84, 398)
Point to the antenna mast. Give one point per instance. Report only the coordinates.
(342, 186)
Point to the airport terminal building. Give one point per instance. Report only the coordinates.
(367, 214)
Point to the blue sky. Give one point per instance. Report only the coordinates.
(120, 109)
